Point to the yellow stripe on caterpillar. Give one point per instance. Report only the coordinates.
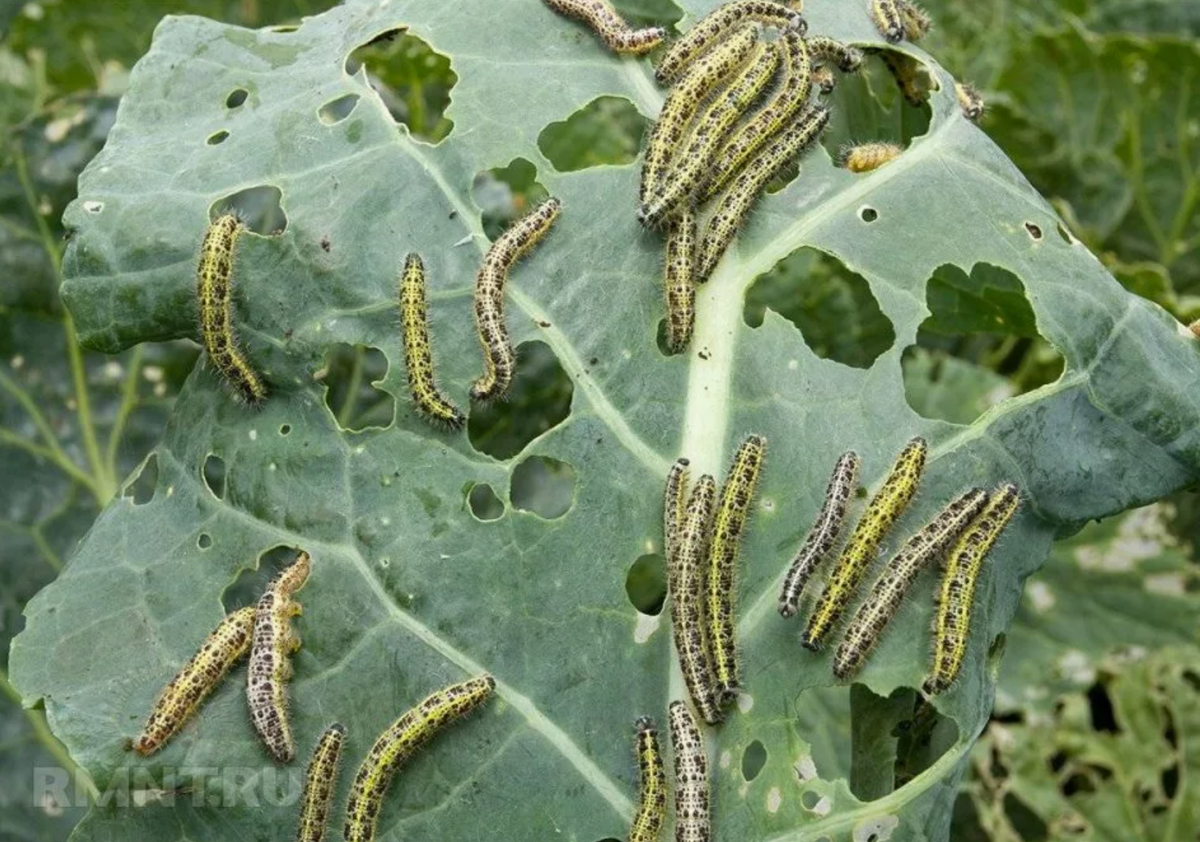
(969, 101)
(864, 157)
(418, 350)
(888, 19)
(674, 503)
(606, 22)
(686, 586)
(652, 798)
(679, 287)
(717, 24)
(320, 783)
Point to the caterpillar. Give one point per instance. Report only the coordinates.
(396, 745)
(225, 646)
(916, 20)
(714, 26)
(734, 202)
(823, 534)
(768, 120)
(320, 782)
(674, 502)
(888, 19)
(652, 800)
(685, 581)
(418, 353)
(887, 505)
(969, 101)
(906, 70)
(691, 164)
(956, 596)
(865, 157)
(823, 79)
(881, 605)
(692, 823)
(830, 51)
(728, 524)
(606, 22)
(214, 288)
(685, 98)
(679, 289)
(270, 669)
(499, 359)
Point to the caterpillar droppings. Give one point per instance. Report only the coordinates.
(733, 204)
(320, 782)
(679, 288)
(865, 157)
(969, 101)
(674, 503)
(270, 667)
(733, 509)
(606, 22)
(888, 19)
(399, 743)
(716, 24)
(214, 292)
(692, 822)
(827, 50)
(685, 580)
(499, 358)
(881, 605)
(956, 596)
(887, 505)
(823, 534)
(225, 646)
(652, 798)
(418, 352)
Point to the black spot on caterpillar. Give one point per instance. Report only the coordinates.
(692, 822)
(679, 287)
(969, 101)
(606, 22)
(652, 799)
(829, 51)
(418, 352)
(674, 502)
(320, 782)
(716, 25)
(686, 586)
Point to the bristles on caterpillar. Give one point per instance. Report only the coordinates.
(679, 286)
(225, 646)
(906, 70)
(686, 586)
(692, 820)
(674, 503)
(606, 22)
(690, 166)
(830, 51)
(867, 626)
(399, 743)
(733, 204)
(823, 79)
(917, 22)
(214, 292)
(888, 19)
(956, 595)
(684, 99)
(499, 358)
(887, 505)
(733, 509)
(320, 783)
(716, 25)
(270, 667)
(864, 157)
(969, 101)
(823, 534)
(652, 798)
(418, 352)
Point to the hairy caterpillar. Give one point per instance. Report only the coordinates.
(214, 288)
(969, 101)
(734, 202)
(865, 630)
(270, 669)
(906, 70)
(865, 157)
(679, 288)
(691, 164)
(685, 98)
(768, 120)
(606, 22)
(652, 800)
(692, 822)
(714, 25)
(956, 597)
(686, 584)
(728, 524)
(887, 505)
(888, 19)
(829, 51)
(418, 353)
(399, 743)
(499, 359)
(225, 646)
(823, 79)
(320, 782)
(674, 502)
(823, 534)
(916, 20)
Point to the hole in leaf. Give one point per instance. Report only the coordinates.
(283, 30)
(539, 401)
(868, 106)
(928, 737)
(258, 208)
(250, 582)
(412, 79)
(140, 487)
(217, 138)
(1065, 234)
(506, 194)
(543, 486)
(646, 584)
(978, 347)
(284, 429)
(350, 375)
(204, 541)
(1034, 230)
(337, 110)
(1028, 827)
(809, 799)
(606, 131)
(236, 97)
(867, 214)
(484, 503)
(965, 820)
(753, 760)
(214, 475)
(996, 651)
(1103, 716)
(832, 307)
